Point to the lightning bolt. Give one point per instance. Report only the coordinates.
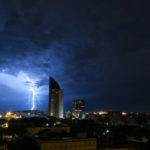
(33, 91)
(33, 97)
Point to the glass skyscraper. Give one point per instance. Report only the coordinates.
(56, 99)
(78, 109)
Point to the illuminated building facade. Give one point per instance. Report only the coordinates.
(3, 147)
(56, 99)
(78, 109)
(68, 144)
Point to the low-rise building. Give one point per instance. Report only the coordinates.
(3, 147)
(68, 144)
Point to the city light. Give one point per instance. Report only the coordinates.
(103, 113)
(47, 124)
(8, 114)
(107, 131)
(107, 124)
(124, 113)
(5, 125)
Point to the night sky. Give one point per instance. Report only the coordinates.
(97, 50)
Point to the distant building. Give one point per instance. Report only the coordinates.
(56, 99)
(67, 114)
(78, 109)
(115, 118)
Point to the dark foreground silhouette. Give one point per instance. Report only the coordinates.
(25, 143)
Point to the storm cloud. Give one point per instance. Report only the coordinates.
(97, 50)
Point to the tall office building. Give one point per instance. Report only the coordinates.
(56, 99)
(78, 109)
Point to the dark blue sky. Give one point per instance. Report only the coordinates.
(97, 50)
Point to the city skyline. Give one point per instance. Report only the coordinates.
(96, 50)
